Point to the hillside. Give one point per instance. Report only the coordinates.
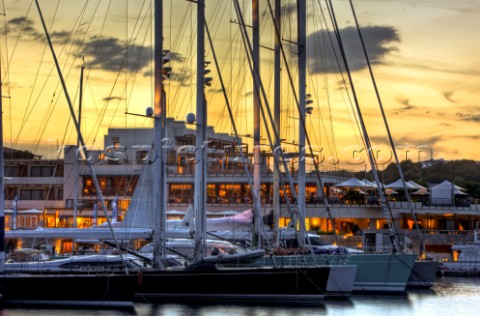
(464, 173)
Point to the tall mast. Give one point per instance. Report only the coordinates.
(77, 172)
(256, 112)
(77, 127)
(201, 137)
(2, 181)
(276, 114)
(392, 144)
(159, 201)
(383, 200)
(302, 52)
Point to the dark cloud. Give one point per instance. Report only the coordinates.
(417, 141)
(378, 41)
(16, 22)
(61, 37)
(112, 98)
(175, 56)
(405, 102)
(468, 117)
(109, 53)
(106, 53)
(25, 26)
(448, 95)
(182, 76)
(407, 106)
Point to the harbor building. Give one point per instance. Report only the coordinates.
(61, 193)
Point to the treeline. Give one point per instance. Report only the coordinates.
(464, 173)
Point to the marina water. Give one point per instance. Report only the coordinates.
(449, 296)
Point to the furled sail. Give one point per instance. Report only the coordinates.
(140, 211)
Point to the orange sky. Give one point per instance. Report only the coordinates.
(424, 55)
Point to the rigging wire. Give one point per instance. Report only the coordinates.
(124, 65)
(177, 100)
(389, 134)
(331, 145)
(237, 70)
(217, 14)
(48, 113)
(345, 90)
(6, 77)
(383, 201)
(125, 93)
(265, 109)
(91, 169)
(185, 73)
(89, 69)
(302, 122)
(247, 171)
(28, 111)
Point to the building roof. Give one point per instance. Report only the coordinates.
(10, 153)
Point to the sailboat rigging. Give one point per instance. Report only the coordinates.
(368, 278)
(150, 288)
(206, 280)
(424, 271)
(57, 289)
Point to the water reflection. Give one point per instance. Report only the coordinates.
(449, 296)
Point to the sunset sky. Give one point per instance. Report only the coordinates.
(425, 58)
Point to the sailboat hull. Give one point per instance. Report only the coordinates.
(235, 285)
(383, 273)
(380, 273)
(75, 290)
(424, 274)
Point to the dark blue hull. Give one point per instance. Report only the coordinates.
(235, 285)
(75, 290)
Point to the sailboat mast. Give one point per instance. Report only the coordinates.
(276, 115)
(201, 137)
(302, 64)
(389, 134)
(383, 200)
(256, 115)
(77, 127)
(159, 205)
(77, 172)
(2, 181)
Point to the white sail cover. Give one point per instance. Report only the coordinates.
(240, 221)
(140, 210)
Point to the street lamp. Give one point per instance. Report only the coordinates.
(406, 156)
(419, 156)
(431, 152)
